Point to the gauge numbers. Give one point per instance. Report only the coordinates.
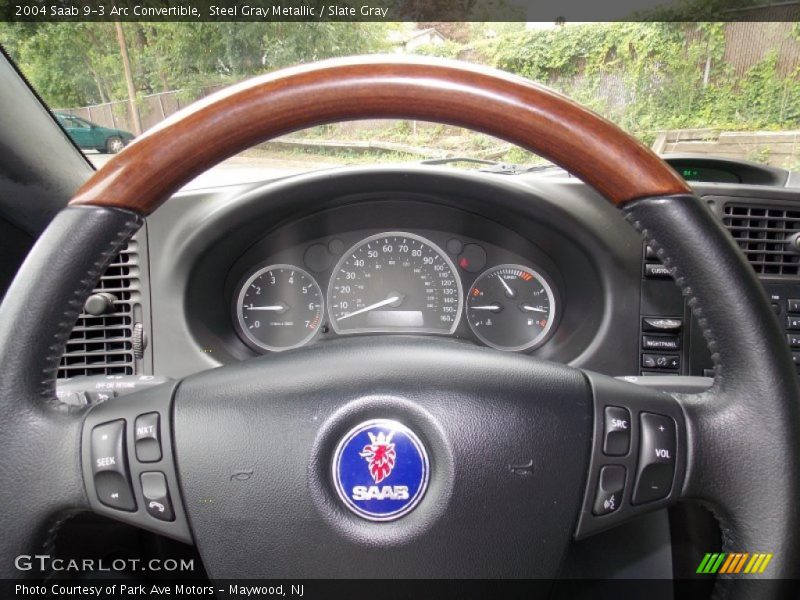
(279, 307)
(511, 307)
(395, 282)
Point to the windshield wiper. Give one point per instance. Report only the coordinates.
(491, 166)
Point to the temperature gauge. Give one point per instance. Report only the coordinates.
(279, 307)
(511, 307)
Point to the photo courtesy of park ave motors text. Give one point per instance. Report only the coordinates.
(453, 299)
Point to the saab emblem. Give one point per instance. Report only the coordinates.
(380, 470)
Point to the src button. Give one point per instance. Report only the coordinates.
(617, 436)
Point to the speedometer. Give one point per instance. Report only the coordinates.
(395, 282)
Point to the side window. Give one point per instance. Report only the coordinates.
(80, 123)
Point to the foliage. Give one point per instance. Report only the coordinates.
(650, 76)
(76, 64)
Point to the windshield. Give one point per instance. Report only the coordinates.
(719, 89)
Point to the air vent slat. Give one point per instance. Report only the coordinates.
(102, 345)
(766, 236)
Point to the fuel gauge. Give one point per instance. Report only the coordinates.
(511, 307)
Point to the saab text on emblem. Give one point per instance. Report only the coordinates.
(380, 470)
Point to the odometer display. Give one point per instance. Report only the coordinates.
(395, 282)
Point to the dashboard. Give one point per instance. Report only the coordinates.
(423, 281)
(534, 263)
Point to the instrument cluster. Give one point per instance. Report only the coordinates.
(395, 282)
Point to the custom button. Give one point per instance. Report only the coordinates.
(147, 440)
(656, 270)
(661, 361)
(156, 496)
(610, 486)
(661, 342)
(793, 305)
(110, 466)
(793, 339)
(656, 468)
(617, 436)
(663, 324)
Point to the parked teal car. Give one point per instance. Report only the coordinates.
(90, 136)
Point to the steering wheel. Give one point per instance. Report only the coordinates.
(515, 457)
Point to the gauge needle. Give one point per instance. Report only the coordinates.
(509, 292)
(489, 307)
(389, 300)
(275, 307)
(530, 308)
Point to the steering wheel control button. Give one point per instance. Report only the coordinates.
(662, 324)
(656, 468)
(793, 305)
(380, 470)
(793, 339)
(617, 438)
(156, 496)
(656, 271)
(670, 343)
(147, 439)
(661, 361)
(610, 487)
(110, 466)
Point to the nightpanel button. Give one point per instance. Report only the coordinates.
(656, 468)
(617, 431)
(110, 466)
(661, 342)
(147, 440)
(610, 486)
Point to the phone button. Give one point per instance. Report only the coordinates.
(156, 496)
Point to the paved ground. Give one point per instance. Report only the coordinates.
(239, 169)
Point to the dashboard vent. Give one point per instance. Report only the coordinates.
(765, 235)
(102, 345)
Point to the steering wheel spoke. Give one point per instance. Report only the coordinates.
(638, 460)
(128, 462)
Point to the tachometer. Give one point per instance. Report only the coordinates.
(511, 307)
(395, 282)
(279, 307)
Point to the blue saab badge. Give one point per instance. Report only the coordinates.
(380, 470)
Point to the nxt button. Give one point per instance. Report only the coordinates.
(610, 486)
(156, 496)
(147, 440)
(110, 466)
(617, 431)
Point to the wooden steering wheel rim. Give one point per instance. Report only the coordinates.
(158, 163)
